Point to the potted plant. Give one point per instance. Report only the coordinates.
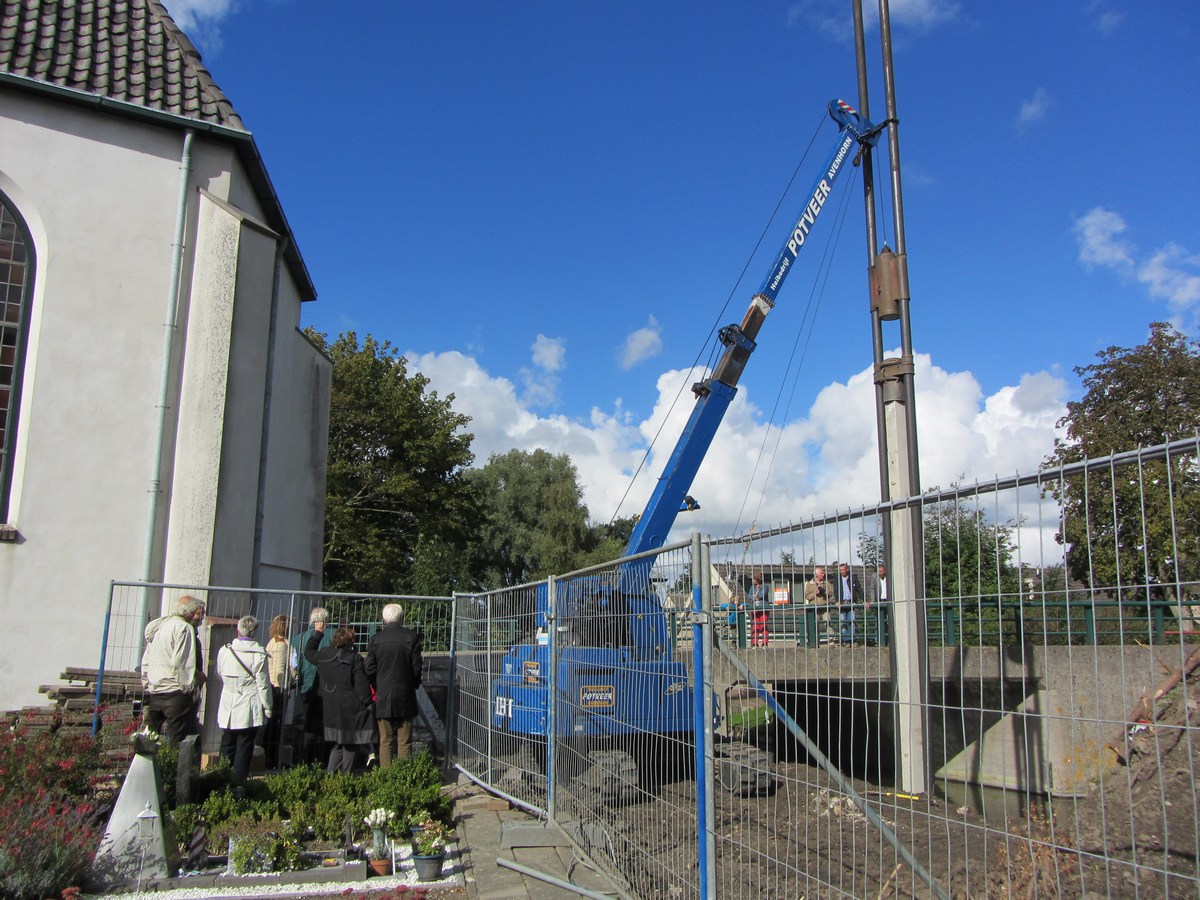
(379, 857)
(429, 849)
(416, 821)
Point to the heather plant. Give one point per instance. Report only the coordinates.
(62, 761)
(48, 839)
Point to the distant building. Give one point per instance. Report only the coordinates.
(161, 415)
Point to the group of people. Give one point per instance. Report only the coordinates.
(347, 707)
(844, 593)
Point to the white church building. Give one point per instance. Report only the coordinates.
(162, 416)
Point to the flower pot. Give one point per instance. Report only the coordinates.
(380, 866)
(429, 868)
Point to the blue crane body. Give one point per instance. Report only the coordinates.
(616, 675)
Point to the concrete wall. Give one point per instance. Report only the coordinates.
(99, 194)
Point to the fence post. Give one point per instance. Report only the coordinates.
(1156, 619)
(103, 656)
(949, 626)
(702, 693)
(551, 692)
(452, 690)
(1089, 623)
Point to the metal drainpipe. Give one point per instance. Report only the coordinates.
(164, 383)
(260, 510)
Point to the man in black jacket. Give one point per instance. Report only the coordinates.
(849, 595)
(394, 666)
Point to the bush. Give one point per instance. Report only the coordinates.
(48, 835)
(296, 790)
(184, 818)
(47, 844)
(408, 786)
(262, 847)
(64, 762)
(342, 798)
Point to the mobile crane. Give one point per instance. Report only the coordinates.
(617, 679)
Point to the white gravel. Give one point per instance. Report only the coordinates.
(453, 877)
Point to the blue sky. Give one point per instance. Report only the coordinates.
(547, 205)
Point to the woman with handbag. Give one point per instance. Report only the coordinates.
(245, 698)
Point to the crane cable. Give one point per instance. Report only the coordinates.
(826, 265)
(709, 343)
(803, 334)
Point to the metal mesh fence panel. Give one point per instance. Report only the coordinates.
(131, 604)
(624, 760)
(487, 626)
(1052, 736)
(1058, 733)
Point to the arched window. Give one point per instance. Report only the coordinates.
(16, 258)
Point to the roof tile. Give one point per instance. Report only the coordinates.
(129, 50)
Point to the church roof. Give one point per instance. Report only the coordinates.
(129, 58)
(127, 50)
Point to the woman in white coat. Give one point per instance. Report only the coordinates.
(245, 697)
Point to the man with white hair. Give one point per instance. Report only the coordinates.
(172, 671)
(394, 666)
(310, 714)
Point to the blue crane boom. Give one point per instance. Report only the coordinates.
(715, 393)
(615, 674)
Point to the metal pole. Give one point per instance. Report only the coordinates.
(551, 693)
(700, 724)
(452, 689)
(708, 775)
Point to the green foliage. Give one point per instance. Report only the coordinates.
(429, 838)
(535, 523)
(184, 819)
(168, 768)
(408, 786)
(607, 542)
(296, 790)
(870, 550)
(1135, 526)
(59, 760)
(395, 490)
(342, 799)
(216, 778)
(262, 847)
(968, 563)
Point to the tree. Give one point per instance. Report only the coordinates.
(968, 563)
(1144, 529)
(396, 495)
(870, 549)
(534, 522)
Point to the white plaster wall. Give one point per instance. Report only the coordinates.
(103, 194)
(100, 194)
(292, 550)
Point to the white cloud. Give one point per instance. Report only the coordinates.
(200, 20)
(834, 18)
(1105, 18)
(820, 462)
(1034, 109)
(1097, 233)
(1171, 273)
(549, 353)
(643, 344)
(1174, 275)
